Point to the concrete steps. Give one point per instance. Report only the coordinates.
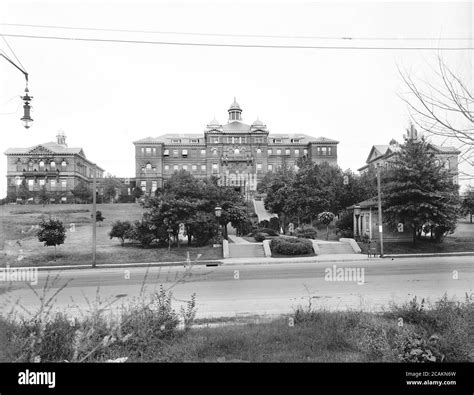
(334, 248)
(248, 250)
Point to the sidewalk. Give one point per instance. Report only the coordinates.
(252, 261)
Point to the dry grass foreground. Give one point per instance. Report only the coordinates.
(150, 330)
(22, 248)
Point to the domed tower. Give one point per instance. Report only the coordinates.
(235, 112)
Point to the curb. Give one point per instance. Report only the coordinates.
(441, 254)
(120, 265)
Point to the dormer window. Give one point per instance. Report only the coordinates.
(295, 140)
(175, 141)
(277, 140)
(194, 141)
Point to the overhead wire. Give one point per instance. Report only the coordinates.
(177, 43)
(308, 37)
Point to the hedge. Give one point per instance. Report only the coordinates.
(307, 233)
(268, 231)
(287, 246)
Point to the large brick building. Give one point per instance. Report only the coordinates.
(235, 152)
(52, 165)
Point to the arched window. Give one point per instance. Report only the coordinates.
(446, 164)
(148, 166)
(236, 151)
(53, 164)
(41, 163)
(63, 163)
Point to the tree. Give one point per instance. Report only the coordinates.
(444, 108)
(121, 230)
(137, 192)
(98, 216)
(326, 218)
(43, 195)
(468, 204)
(418, 190)
(23, 192)
(277, 186)
(52, 232)
(112, 186)
(82, 192)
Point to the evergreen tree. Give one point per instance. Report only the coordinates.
(23, 192)
(418, 191)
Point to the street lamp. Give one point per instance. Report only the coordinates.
(27, 120)
(357, 215)
(218, 213)
(26, 107)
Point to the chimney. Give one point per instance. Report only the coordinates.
(61, 138)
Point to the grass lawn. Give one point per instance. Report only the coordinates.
(462, 240)
(17, 237)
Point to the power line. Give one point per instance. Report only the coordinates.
(242, 35)
(467, 48)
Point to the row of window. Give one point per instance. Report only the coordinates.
(42, 164)
(277, 151)
(42, 182)
(215, 168)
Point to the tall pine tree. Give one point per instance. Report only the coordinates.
(418, 190)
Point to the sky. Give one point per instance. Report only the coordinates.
(106, 95)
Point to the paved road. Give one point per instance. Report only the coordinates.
(255, 289)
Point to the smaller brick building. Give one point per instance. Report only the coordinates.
(52, 165)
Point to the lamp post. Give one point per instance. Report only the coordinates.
(380, 211)
(218, 213)
(94, 214)
(27, 120)
(357, 215)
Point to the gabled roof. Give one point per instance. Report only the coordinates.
(50, 148)
(371, 202)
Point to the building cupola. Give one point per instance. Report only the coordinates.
(235, 112)
(61, 138)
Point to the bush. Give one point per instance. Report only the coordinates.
(288, 246)
(306, 232)
(274, 224)
(264, 224)
(345, 222)
(268, 231)
(259, 237)
(122, 230)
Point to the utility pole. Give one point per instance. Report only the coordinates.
(380, 212)
(94, 212)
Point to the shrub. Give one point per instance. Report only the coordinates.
(121, 230)
(259, 237)
(286, 246)
(264, 224)
(307, 232)
(52, 232)
(345, 222)
(274, 224)
(347, 234)
(268, 231)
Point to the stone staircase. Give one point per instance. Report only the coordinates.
(335, 248)
(247, 250)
